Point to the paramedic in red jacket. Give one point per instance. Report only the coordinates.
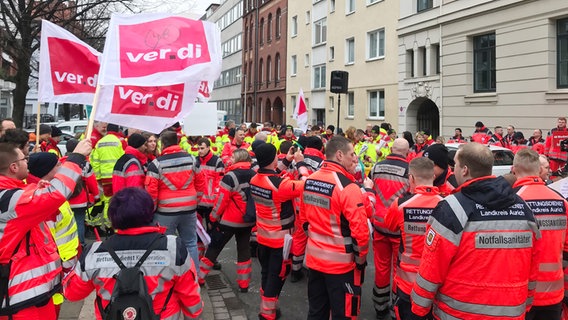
(550, 212)
(170, 269)
(31, 266)
(552, 149)
(130, 169)
(227, 216)
(408, 215)
(445, 179)
(273, 196)
(334, 215)
(480, 254)
(390, 178)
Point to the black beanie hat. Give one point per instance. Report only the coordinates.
(44, 128)
(479, 124)
(256, 144)
(265, 154)
(113, 127)
(438, 153)
(71, 145)
(136, 140)
(56, 132)
(41, 163)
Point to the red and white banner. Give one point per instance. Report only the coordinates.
(301, 112)
(160, 49)
(146, 108)
(68, 67)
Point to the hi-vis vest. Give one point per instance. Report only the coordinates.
(64, 232)
(104, 156)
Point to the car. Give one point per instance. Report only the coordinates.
(503, 158)
(74, 126)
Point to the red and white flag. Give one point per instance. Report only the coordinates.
(68, 67)
(146, 108)
(160, 49)
(301, 112)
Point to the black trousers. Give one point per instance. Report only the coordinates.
(335, 294)
(242, 237)
(552, 312)
(273, 270)
(403, 308)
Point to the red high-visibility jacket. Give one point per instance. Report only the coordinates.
(25, 239)
(129, 170)
(273, 197)
(480, 255)
(408, 215)
(333, 206)
(89, 190)
(552, 148)
(167, 268)
(209, 171)
(313, 159)
(549, 209)
(170, 181)
(231, 200)
(482, 135)
(228, 150)
(390, 177)
(446, 182)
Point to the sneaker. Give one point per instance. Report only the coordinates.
(296, 276)
(217, 266)
(244, 290)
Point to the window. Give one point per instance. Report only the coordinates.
(331, 103)
(269, 28)
(250, 35)
(422, 5)
(320, 31)
(422, 61)
(260, 68)
(370, 2)
(332, 6)
(410, 63)
(350, 51)
(562, 65)
(484, 63)
(376, 104)
(436, 52)
(246, 35)
(350, 104)
(307, 60)
(294, 101)
(319, 77)
(376, 44)
(278, 23)
(294, 26)
(294, 65)
(261, 31)
(349, 6)
(268, 69)
(331, 53)
(277, 68)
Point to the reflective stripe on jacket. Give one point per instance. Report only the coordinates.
(129, 170)
(64, 232)
(209, 171)
(472, 237)
(549, 209)
(231, 202)
(167, 267)
(333, 206)
(105, 155)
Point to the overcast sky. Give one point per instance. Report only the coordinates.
(192, 7)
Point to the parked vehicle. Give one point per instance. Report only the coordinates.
(74, 126)
(503, 158)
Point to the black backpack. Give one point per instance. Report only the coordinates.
(130, 299)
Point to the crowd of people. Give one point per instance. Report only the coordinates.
(449, 239)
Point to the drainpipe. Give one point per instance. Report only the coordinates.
(255, 108)
(441, 72)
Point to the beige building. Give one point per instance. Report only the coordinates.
(499, 62)
(347, 35)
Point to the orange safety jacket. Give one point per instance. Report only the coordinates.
(408, 215)
(231, 203)
(31, 266)
(480, 255)
(313, 159)
(482, 135)
(273, 196)
(170, 181)
(552, 149)
(209, 171)
(89, 187)
(549, 209)
(228, 150)
(446, 182)
(390, 177)
(50, 146)
(169, 267)
(333, 207)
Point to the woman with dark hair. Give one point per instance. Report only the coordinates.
(408, 136)
(170, 275)
(228, 219)
(151, 146)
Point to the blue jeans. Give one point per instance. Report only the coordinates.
(184, 224)
(79, 214)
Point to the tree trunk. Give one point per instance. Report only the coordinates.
(20, 93)
(67, 111)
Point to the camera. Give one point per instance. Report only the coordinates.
(564, 145)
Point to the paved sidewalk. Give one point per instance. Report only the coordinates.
(219, 303)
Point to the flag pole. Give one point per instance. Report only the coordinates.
(38, 119)
(91, 122)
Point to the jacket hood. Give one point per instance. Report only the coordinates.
(491, 192)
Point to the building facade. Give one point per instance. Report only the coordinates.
(358, 37)
(264, 60)
(6, 87)
(499, 62)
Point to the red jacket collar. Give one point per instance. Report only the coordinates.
(334, 166)
(427, 190)
(11, 183)
(135, 152)
(239, 165)
(142, 230)
(313, 152)
(468, 182)
(172, 149)
(396, 157)
(527, 181)
(207, 157)
(32, 179)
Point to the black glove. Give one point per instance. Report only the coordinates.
(361, 266)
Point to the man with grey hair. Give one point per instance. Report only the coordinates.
(390, 178)
(471, 237)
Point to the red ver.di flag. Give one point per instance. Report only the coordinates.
(149, 108)
(68, 67)
(160, 49)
